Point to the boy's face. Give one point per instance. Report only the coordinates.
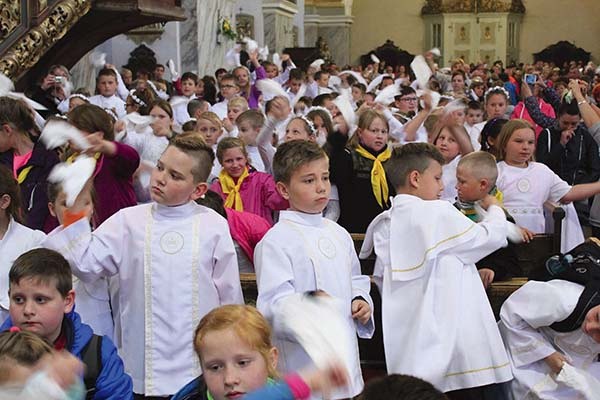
(233, 112)
(469, 188)
(248, 133)
(172, 182)
(188, 87)
(209, 131)
(309, 187)
(107, 85)
(474, 117)
(357, 94)
(159, 73)
(39, 307)
(323, 80)
(294, 85)
(428, 184)
(228, 89)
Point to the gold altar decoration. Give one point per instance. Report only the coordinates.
(27, 51)
(10, 17)
(472, 6)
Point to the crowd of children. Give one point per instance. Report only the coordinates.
(137, 272)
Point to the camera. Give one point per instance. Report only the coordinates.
(59, 79)
(530, 79)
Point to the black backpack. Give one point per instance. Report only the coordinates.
(91, 356)
(580, 265)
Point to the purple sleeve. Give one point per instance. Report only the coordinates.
(254, 92)
(125, 161)
(533, 108)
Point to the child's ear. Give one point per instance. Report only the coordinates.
(273, 357)
(69, 301)
(484, 185)
(199, 191)
(52, 209)
(5, 201)
(413, 179)
(283, 190)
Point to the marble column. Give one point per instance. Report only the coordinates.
(211, 52)
(188, 32)
(336, 31)
(278, 21)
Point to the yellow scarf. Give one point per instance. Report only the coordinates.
(378, 179)
(232, 189)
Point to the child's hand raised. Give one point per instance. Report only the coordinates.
(326, 379)
(280, 109)
(488, 201)
(361, 310)
(227, 124)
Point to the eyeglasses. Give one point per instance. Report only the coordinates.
(407, 99)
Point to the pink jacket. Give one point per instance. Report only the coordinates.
(259, 195)
(520, 112)
(246, 229)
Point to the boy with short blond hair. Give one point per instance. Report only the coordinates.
(305, 252)
(42, 301)
(235, 107)
(174, 261)
(437, 322)
(106, 85)
(249, 124)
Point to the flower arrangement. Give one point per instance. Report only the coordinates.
(225, 28)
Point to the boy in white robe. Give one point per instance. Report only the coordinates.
(437, 322)
(107, 89)
(537, 352)
(305, 252)
(174, 261)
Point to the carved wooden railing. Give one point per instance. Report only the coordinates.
(35, 34)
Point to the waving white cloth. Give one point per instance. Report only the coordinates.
(73, 177)
(315, 322)
(7, 89)
(59, 133)
(421, 70)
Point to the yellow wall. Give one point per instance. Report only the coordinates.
(545, 22)
(378, 20)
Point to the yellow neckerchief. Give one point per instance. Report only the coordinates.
(73, 156)
(23, 174)
(232, 189)
(378, 179)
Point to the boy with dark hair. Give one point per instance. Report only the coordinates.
(437, 322)
(305, 252)
(42, 301)
(170, 257)
(188, 83)
(474, 116)
(106, 86)
(400, 387)
(228, 88)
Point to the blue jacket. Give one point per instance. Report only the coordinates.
(196, 390)
(112, 383)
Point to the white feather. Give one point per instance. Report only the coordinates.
(301, 92)
(277, 61)
(345, 107)
(513, 232)
(73, 177)
(359, 77)
(172, 70)
(263, 53)
(435, 97)
(99, 60)
(375, 82)
(421, 70)
(59, 133)
(136, 122)
(315, 323)
(251, 44)
(317, 63)
(454, 105)
(270, 88)
(7, 89)
(6, 85)
(178, 100)
(386, 96)
(375, 59)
